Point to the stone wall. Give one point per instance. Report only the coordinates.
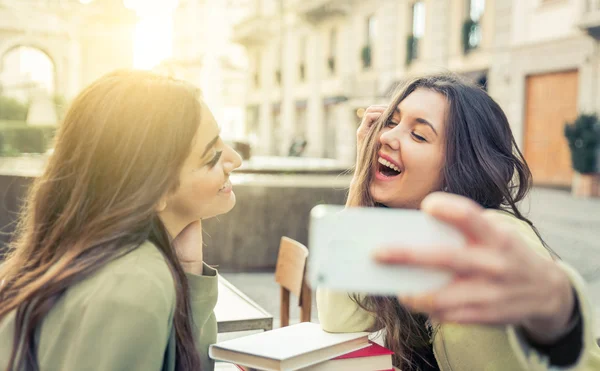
(247, 238)
(13, 190)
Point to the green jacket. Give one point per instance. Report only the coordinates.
(471, 347)
(121, 318)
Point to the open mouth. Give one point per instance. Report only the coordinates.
(226, 186)
(387, 169)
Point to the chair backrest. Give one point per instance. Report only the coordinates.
(289, 274)
(291, 264)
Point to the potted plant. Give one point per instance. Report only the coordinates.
(331, 65)
(412, 45)
(469, 27)
(583, 136)
(366, 56)
(278, 76)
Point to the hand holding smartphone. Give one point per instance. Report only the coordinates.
(342, 241)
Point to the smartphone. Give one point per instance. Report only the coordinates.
(342, 240)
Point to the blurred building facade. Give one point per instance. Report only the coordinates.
(545, 73)
(204, 55)
(314, 65)
(82, 39)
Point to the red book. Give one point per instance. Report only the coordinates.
(372, 358)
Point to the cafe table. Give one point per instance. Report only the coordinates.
(237, 312)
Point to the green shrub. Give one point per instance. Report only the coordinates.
(583, 137)
(469, 27)
(412, 49)
(16, 139)
(365, 55)
(60, 103)
(12, 109)
(331, 64)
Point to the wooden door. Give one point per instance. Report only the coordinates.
(551, 101)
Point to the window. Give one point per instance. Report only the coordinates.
(277, 64)
(367, 50)
(472, 26)
(257, 66)
(302, 54)
(330, 132)
(371, 29)
(301, 120)
(417, 31)
(476, 8)
(258, 7)
(252, 117)
(332, 51)
(418, 21)
(276, 129)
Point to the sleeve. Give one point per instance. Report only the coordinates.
(121, 324)
(339, 313)
(587, 355)
(588, 358)
(203, 299)
(565, 351)
(203, 294)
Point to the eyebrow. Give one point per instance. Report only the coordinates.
(210, 145)
(420, 121)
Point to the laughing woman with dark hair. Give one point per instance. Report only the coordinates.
(445, 147)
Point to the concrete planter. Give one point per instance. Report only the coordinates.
(243, 240)
(586, 185)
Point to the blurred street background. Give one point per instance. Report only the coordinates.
(289, 80)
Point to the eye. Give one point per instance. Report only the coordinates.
(418, 137)
(391, 124)
(215, 159)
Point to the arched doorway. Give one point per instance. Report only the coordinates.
(28, 82)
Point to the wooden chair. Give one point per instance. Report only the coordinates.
(289, 274)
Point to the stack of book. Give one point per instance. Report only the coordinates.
(304, 346)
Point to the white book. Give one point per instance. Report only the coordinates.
(288, 348)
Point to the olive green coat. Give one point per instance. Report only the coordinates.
(471, 347)
(121, 319)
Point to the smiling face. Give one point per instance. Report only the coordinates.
(204, 189)
(411, 155)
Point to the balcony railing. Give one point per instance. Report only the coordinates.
(255, 29)
(592, 5)
(318, 10)
(590, 19)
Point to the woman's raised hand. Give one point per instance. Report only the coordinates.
(188, 247)
(370, 116)
(497, 278)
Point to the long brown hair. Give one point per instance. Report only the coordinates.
(118, 150)
(482, 162)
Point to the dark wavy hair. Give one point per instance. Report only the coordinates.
(482, 162)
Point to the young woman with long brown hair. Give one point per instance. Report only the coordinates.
(510, 306)
(105, 271)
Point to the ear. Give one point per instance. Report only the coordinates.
(161, 205)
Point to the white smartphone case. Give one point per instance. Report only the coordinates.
(342, 240)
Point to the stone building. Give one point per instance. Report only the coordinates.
(83, 39)
(315, 64)
(545, 73)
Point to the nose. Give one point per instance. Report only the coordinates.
(390, 139)
(232, 160)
